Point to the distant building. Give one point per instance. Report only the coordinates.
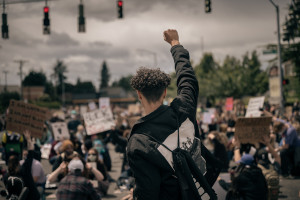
(289, 69)
(117, 95)
(33, 93)
(10, 88)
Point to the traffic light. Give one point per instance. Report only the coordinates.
(207, 6)
(120, 9)
(285, 81)
(81, 19)
(46, 29)
(4, 26)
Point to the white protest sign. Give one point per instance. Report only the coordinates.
(207, 118)
(45, 150)
(60, 131)
(92, 106)
(98, 121)
(104, 102)
(254, 105)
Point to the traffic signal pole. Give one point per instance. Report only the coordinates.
(279, 58)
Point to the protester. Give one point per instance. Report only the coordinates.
(75, 186)
(37, 172)
(67, 155)
(248, 182)
(13, 144)
(219, 141)
(290, 142)
(103, 185)
(150, 162)
(24, 171)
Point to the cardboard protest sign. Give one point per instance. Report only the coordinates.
(23, 116)
(254, 105)
(98, 121)
(251, 130)
(60, 131)
(104, 102)
(229, 104)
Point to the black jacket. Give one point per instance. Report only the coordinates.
(150, 162)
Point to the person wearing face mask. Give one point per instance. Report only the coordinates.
(93, 160)
(74, 185)
(103, 153)
(67, 154)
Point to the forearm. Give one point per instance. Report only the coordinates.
(187, 84)
(54, 175)
(98, 175)
(274, 154)
(237, 154)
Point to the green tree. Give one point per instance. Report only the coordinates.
(84, 87)
(123, 82)
(5, 97)
(105, 76)
(255, 80)
(59, 72)
(291, 34)
(35, 79)
(205, 73)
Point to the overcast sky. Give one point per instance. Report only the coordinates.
(233, 28)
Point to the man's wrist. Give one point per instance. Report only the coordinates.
(174, 43)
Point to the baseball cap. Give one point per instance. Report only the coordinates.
(75, 165)
(247, 159)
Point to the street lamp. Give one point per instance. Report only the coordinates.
(279, 55)
(150, 52)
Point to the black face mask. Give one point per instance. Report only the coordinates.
(68, 153)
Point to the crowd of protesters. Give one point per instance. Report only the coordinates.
(83, 161)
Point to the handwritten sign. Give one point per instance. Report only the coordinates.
(254, 105)
(251, 130)
(60, 131)
(23, 116)
(104, 102)
(98, 121)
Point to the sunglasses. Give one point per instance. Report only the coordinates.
(91, 154)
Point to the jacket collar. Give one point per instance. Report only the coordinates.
(148, 117)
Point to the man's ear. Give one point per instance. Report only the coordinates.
(164, 94)
(139, 95)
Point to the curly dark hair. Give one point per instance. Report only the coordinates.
(150, 82)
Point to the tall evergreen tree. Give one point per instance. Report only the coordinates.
(104, 76)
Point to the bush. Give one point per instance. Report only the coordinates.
(5, 98)
(50, 105)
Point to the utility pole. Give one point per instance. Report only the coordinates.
(279, 57)
(5, 75)
(21, 62)
(150, 52)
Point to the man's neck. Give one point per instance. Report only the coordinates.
(149, 108)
